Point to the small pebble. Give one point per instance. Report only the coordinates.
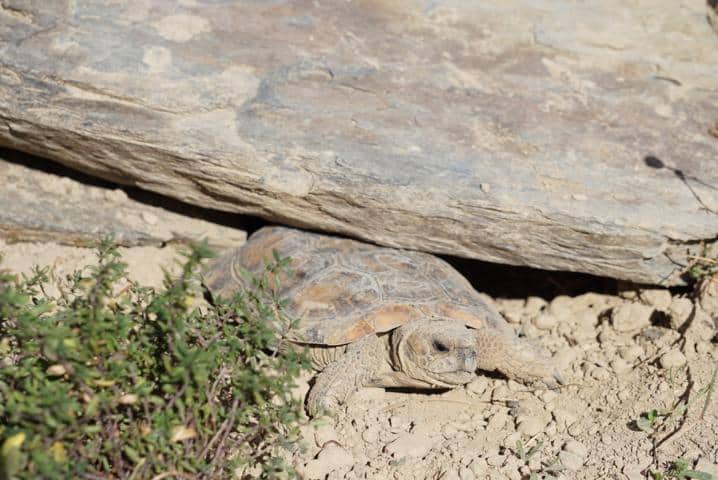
(630, 317)
(575, 429)
(673, 359)
(600, 373)
(410, 445)
(583, 334)
(620, 366)
(628, 294)
(704, 347)
(515, 386)
(399, 424)
(634, 472)
(562, 303)
(659, 298)
(547, 396)
(570, 460)
(624, 395)
(330, 458)
(630, 353)
(655, 334)
(495, 460)
(497, 421)
(564, 418)
(371, 434)
(501, 393)
(534, 305)
(545, 321)
(565, 357)
(587, 318)
(479, 466)
(465, 473)
(512, 317)
(449, 431)
(478, 385)
(576, 447)
(708, 295)
(703, 325)
(530, 425)
(115, 196)
(325, 433)
(680, 310)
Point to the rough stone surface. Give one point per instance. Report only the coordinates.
(43, 206)
(520, 132)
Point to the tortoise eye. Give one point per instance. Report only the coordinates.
(440, 347)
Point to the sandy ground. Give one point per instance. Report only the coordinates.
(618, 365)
(621, 356)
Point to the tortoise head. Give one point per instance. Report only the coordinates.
(440, 352)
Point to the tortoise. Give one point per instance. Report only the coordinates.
(381, 317)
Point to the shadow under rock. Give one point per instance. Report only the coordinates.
(496, 280)
(232, 220)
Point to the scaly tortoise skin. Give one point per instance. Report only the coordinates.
(381, 317)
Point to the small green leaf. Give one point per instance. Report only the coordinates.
(697, 474)
(646, 421)
(520, 450)
(132, 454)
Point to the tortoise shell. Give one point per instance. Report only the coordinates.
(341, 290)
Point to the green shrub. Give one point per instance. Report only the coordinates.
(109, 379)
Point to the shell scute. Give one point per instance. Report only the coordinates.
(342, 290)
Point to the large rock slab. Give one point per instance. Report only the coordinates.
(561, 136)
(40, 206)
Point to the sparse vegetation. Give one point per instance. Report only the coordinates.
(680, 470)
(703, 265)
(549, 470)
(652, 419)
(655, 422)
(647, 420)
(110, 379)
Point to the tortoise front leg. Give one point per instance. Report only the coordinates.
(340, 379)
